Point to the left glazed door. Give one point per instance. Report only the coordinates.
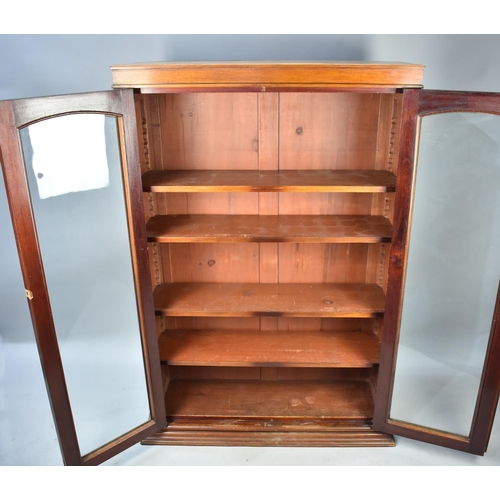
(72, 175)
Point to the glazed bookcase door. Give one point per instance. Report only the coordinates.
(439, 378)
(73, 183)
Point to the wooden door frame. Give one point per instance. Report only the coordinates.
(15, 115)
(417, 104)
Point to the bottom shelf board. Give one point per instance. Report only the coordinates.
(288, 399)
(324, 413)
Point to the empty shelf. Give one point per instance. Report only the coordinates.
(320, 181)
(269, 348)
(269, 299)
(331, 399)
(269, 228)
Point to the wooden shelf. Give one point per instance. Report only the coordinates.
(332, 399)
(320, 181)
(269, 413)
(269, 299)
(269, 228)
(269, 348)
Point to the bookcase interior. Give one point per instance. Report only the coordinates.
(269, 225)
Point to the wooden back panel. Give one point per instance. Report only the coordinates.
(269, 131)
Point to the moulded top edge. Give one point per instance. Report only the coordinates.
(264, 63)
(213, 73)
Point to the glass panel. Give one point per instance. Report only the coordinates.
(74, 169)
(453, 271)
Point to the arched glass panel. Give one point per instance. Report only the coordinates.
(452, 274)
(74, 168)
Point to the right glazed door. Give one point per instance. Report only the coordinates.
(439, 376)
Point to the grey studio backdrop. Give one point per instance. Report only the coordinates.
(39, 65)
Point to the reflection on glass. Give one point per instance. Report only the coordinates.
(452, 274)
(89, 163)
(78, 200)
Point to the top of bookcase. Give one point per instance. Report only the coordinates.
(266, 76)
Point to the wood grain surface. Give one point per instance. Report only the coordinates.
(269, 228)
(269, 299)
(264, 76)
(269, 348)
(333, 399)
(326, 181)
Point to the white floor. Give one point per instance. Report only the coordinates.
(27, 435)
